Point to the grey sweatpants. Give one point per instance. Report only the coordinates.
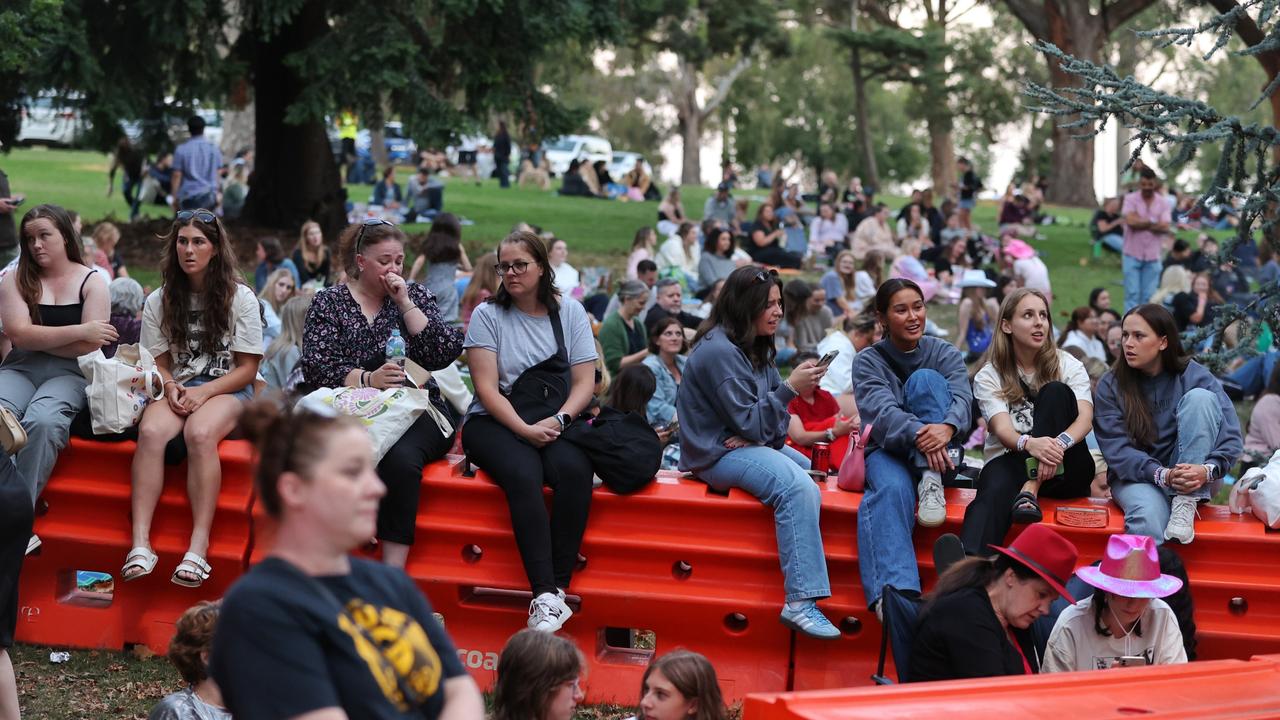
(45, 392)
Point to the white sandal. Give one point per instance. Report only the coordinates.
(12, 435)
(193, 565)
(141, 558)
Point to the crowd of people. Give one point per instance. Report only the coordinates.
(748, 385)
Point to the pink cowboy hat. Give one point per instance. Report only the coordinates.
(1131, 568)
(1018, 250)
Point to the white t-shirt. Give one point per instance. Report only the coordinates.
(1076, 644)
(567, 279)
(244, 335)
(987, 390)
(1092, 347)
(522, 341)
(1032, 273)
(672, 254)
(839, 377)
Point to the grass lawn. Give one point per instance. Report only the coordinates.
(103, 684)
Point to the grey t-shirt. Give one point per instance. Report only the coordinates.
(186, 705)
(522, 341)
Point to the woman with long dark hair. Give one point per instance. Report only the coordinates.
(55, 308)
(443, 252)
(514, 331)
(1037, 404)
(359, 637)
(539, 678)
(1166, 428)
(1082, 332)
(204, 328)
(344, 344)
(733, 414)
(975, 622)
(765, 244)
(716, 261)
(914, 391)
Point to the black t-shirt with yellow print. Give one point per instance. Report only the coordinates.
(370, 645)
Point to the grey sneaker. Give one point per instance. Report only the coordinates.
(810, 621)
(931, 510)
(548, 612)
(1182, 520)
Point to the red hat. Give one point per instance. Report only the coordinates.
(1042, 550)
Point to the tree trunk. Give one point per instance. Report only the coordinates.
(942, 155)
(1078, 33)
(1126, 64)
(689, 118)
(295, 176)
(870, 171)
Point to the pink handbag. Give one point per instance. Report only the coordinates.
(853, 471)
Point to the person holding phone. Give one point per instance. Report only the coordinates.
(733, 413)
(816, 418)
(1125, 622)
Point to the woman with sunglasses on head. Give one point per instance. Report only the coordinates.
(510, 334)
(311, 631)
(733, 414)
(204, 327)
(914, 391)
(344, 344)
(1165, 426)
(1038, 406)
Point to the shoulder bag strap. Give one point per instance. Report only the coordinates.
(558, 329)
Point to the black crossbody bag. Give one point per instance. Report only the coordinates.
(541, 390)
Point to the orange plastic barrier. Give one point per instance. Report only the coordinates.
(87, 529)
(674, 565)
(1217, 689)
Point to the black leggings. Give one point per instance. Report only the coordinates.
(773, 255)
(15, 531)
(548, 545)
(989, 515)
(401, 471)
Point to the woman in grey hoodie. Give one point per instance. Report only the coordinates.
(733, 415)
(913, 390)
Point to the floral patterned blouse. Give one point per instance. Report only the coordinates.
(337, 338)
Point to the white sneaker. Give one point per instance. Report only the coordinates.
(1182, 520)
(931, 510)
(34, 543)
(548, 612)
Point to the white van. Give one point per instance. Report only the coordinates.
(564, 150)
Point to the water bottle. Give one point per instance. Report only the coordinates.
(395, 349)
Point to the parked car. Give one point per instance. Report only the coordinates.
(51, 119)
(564, 150)
(400, 147)
(624, 162)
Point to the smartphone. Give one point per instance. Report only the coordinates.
(18, 200)
(674, 427)
(825, 360)
(1130, 661)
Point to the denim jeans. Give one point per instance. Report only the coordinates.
(1145, 504)
(1141, 278)
(778, 478)
(1253, 375)
(1113, 242)
(887, 514)
(206, 201)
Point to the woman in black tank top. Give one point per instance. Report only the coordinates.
(41, 386)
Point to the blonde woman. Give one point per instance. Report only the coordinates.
(1175, 280)
(282, 355)
(312, 256)
(1038, 406)
(840, 282)
(275, 293)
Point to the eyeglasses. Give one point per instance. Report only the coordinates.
(203, 216)
(518, 267)
(368, 223)
(765, 276)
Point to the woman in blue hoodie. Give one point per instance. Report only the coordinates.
(914, 391)
(1166, 428)
(733, 415)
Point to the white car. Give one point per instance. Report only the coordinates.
(624, 162)
(562, 151)
(51, 120)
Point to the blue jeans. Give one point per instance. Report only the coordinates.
(1145, 504)
(1141, 278)
(206, 201)
(1115, 243)
(887, 515)
(1253, 375)
(778, 478)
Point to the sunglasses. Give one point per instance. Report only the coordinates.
(368, 223)
(203, 216)
(765, 276)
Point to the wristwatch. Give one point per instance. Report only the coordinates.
(1065, 440)
(564, 419)
(829, 435)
